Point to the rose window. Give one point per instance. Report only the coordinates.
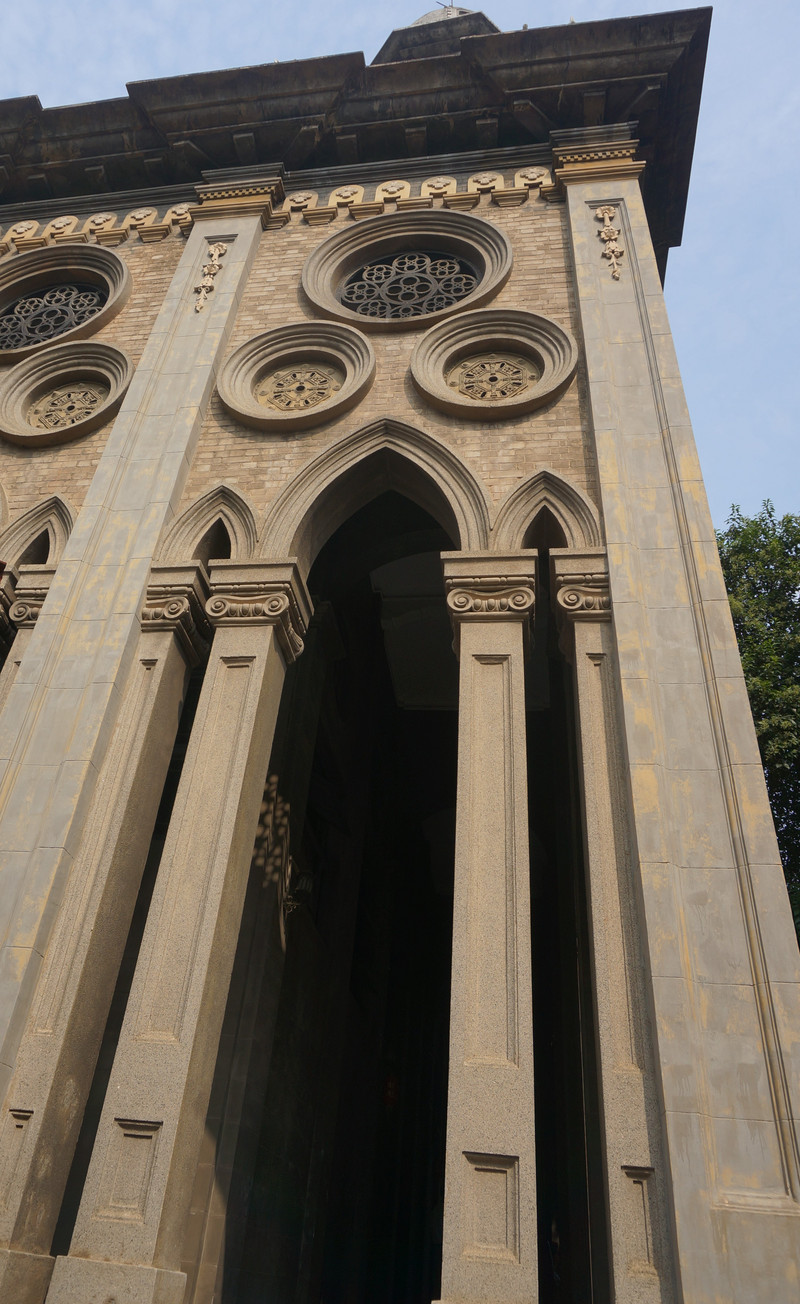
(66, 405)
(293, 389)
(490, 378)
(409, 285)
(36, 318)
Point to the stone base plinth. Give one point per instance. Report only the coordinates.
(24, 1277)
(90, 1281)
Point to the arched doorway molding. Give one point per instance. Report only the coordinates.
(52, 516)
(384, 455)
(576, 515)
(182, 540)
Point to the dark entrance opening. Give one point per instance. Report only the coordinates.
(573, 1246)
(345, 1199)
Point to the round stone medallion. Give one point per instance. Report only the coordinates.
(494, 364)
(297, 376)
(62, 392)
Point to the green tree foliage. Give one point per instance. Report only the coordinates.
(761, 562)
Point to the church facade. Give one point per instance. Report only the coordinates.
(391, 908)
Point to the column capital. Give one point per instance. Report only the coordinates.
(580, 585)
(489, 586)
(33, 584)
(262, 593)
(7, 627)
(176, 598)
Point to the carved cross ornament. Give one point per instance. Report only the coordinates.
(612, 249)
(211, 269)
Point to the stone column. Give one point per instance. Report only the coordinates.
(635, 1177)
(489, 1249)
(57, 1056)
(719, 952)
(127, 1239)
(58, 718)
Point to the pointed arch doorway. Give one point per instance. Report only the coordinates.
(337, 1190)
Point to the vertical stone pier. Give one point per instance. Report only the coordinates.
(489, 1249)
(129, 1230)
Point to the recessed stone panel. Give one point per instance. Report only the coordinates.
(62, 393)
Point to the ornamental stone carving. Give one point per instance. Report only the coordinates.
(295, 377)
(485, 586)
(385, 273)
(494, 364)
(66, 405)
(55, 292)
(211, 270)
(580, 585)
(31, 590)
(62, 393)
(493, 377)
(612, 249)
(175, 602)
(256, 602)
(298, 388)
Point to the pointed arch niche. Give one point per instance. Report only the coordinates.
(386, 455)
(221, 524)
(546, 511)
(38, 536)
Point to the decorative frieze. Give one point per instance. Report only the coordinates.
(342, 202)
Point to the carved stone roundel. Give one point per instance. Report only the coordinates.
(493, 364)
(493, 377)
(297, 376)
(66, 405)
(62, 392)
(298, 388)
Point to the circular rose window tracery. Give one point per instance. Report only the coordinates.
(412, 284)
(37, 318)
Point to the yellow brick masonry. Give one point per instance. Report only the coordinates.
(501, 453)
(260, 464)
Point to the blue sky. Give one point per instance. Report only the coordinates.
(733, 287)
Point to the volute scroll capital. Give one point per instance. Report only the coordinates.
(581, 586)
(175, 601)
(490, 587)
(262, 594)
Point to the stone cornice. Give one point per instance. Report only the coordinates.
(262, 593)
(502, 88)
(176, 597)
